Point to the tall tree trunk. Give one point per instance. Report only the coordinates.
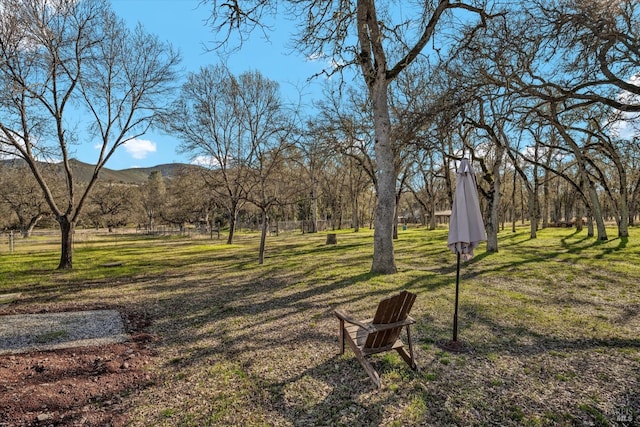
(150, 222)
(534, 204)
(263, 236)
(546, 194)
(447, 177)
(594, 202)
(579, 224)
(67, 228)
(355, 213)
(233, 219)
(432, 213)
(492, 225)
(513, 203)
(383, 256)
(623, 220)
(533, 213)
(634, 202)
(596, 209)
(623, 226)
(395, 218)
(493, 205)
(314, 208)
(589, 216)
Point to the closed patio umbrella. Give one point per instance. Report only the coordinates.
(466, 229)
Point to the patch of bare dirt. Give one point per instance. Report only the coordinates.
(83, 386)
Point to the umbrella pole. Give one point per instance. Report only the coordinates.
(455, 312)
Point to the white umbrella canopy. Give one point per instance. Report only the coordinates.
(466, 228)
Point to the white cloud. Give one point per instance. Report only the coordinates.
(625, 125)
(325, 61)
(205, 161)
(140, 148)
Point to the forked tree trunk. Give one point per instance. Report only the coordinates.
(66, 251)
(493, 202)
(26, 231)
(596, 211)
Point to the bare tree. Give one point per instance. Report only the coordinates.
(188, 199)
(22, 196)
(344, 129)
(67, 63)
(382, 44)
(269, 183)
(267, 133)
(111, 205)
(595, 46)
(313, 159)
(208, 119)
(593, 49)
(153, 198)
(237, 126)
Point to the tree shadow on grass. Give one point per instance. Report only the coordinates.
(517, 339)
(289, 350)
(337, 392)
(258, 304)
(581, 245)
(595, 368)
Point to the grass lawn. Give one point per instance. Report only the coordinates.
(551, 327)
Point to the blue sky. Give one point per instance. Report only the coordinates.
(181, 23)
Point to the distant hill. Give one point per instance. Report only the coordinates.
(84, 171)
(137, 175)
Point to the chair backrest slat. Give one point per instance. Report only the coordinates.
(390, 310)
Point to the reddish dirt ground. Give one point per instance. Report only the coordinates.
(75, 387)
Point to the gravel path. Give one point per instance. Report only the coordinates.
(20, 333)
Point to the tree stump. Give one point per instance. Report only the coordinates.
(112, 264)
(332, 239)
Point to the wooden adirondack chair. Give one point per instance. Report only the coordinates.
(382, 333)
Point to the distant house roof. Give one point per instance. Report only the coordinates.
(443, 213)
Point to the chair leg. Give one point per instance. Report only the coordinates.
(373, 374)
(341, 336)
(408, 357)
(414, 366)
(361, 358)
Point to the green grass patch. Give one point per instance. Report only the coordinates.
(547, 324)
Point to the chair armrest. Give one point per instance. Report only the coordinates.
(343, 315)
(376, 327)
